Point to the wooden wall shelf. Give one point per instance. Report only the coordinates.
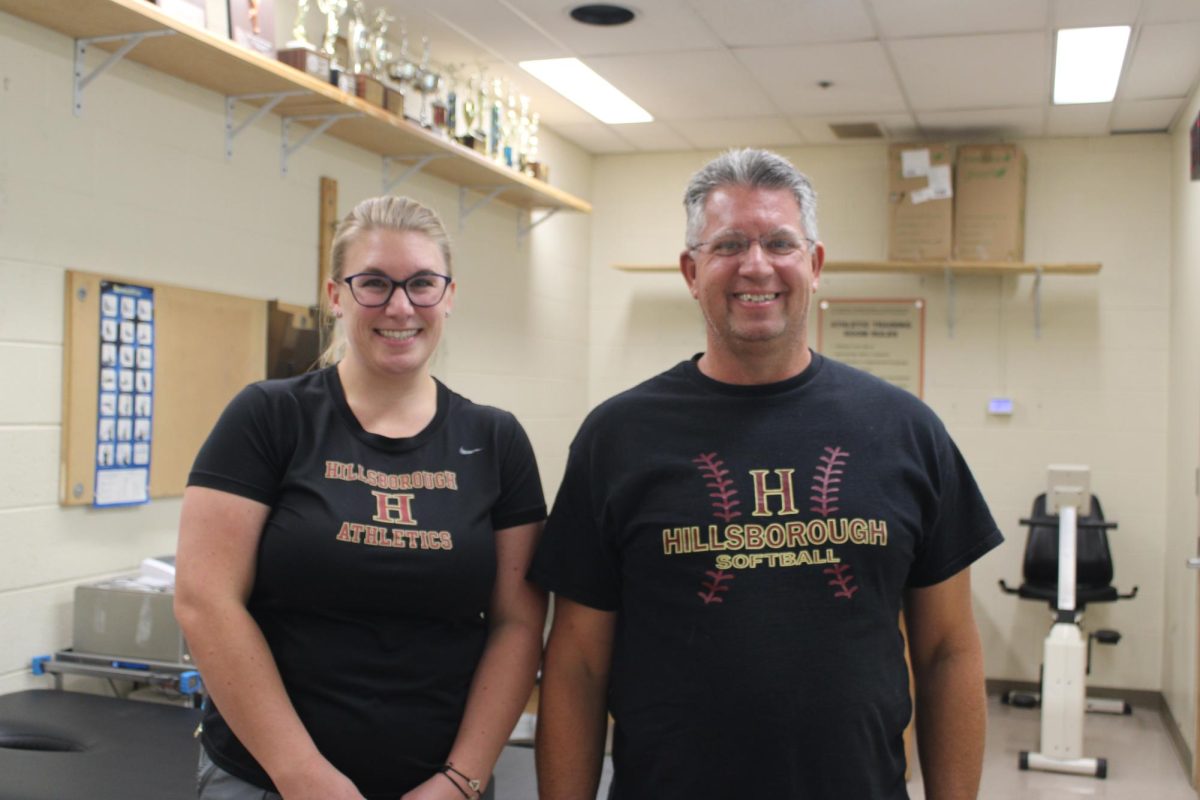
(950, 270)
(906, 267)
(214, 62)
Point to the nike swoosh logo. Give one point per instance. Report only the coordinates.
(464, 451)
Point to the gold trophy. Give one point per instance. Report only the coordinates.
(334, 10)
(301, 53)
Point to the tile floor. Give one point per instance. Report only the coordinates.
(1142, 762)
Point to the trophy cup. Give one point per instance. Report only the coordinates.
(301, 53)
(427, 82)
(403, 71)
(359, 46)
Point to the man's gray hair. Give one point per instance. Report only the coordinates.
(757, 169)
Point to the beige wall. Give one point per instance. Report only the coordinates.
(1183, 444)
(139, 188)
(1092, 389)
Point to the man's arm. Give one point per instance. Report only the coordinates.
(572, 710)
(947, 662)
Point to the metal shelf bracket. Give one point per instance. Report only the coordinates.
(950, 302)
(131, 40)
(464, 211)
(286, 148)
(523, 230)
(273, 99)
(1037, 303)
(414, 163)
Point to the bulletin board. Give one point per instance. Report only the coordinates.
(207, 347)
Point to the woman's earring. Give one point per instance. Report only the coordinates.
(338, 313)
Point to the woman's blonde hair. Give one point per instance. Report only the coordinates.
(391, 213)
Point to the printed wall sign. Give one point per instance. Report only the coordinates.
(125, 410)
(883, 337)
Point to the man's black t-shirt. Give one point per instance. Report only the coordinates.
(755, 542)
(375, 568)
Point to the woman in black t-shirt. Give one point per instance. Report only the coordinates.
(352, 552)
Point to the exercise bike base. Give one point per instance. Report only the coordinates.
(1094, 767)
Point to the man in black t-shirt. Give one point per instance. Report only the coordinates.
(734, 540)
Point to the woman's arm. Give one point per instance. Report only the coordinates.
(215, 566)
(504, 678)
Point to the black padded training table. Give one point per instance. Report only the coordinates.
(62, 745)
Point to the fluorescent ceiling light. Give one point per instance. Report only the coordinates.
(1088, 63)
(575, 81)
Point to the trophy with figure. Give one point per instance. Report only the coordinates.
(381, 62)
(301, 53)
(359, 52)
(334, 10)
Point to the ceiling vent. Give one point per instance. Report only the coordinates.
(856, 130)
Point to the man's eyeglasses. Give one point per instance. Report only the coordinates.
(777, 245)
(373, 290)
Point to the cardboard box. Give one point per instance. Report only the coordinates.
(920, 202)
(989, 203)
(119, 618)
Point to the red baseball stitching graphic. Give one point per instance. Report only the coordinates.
(712, 468)
(717, 584)
(724, 501)
(825, 481)
(842, 579)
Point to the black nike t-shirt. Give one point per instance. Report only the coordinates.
(375, 568)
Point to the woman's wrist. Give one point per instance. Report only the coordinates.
(470, 787)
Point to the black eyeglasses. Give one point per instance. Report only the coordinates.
(371, 289)
(777, 245)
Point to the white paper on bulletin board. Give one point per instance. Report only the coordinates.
(883, 337)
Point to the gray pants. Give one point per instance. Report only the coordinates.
(214, 783)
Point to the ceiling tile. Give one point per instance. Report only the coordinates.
(991, 71)
(1170, 11)
(777, 22)
(1084, 119)
(912, 18)
(493, 29)
(988, 123)
(595, 137)
(686, 85)
(1145, 115)
(860, 73)
(1165, 61)
(739, 132)
(816, 130)
(653, 136)
(1093, 13)
(660, 26)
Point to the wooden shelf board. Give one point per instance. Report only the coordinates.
(905, 267)
(216, 63)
